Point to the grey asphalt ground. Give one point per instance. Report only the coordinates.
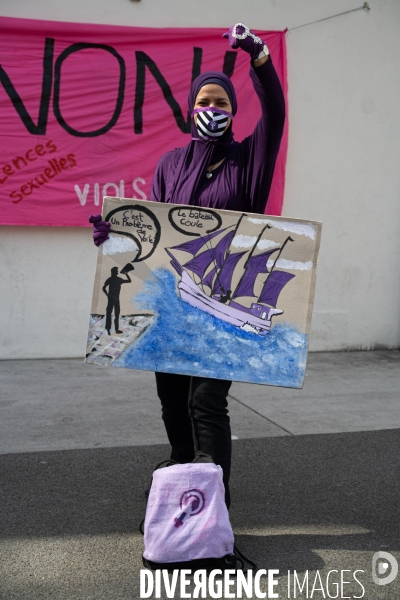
(315, 478)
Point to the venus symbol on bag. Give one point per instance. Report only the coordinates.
(197, 500)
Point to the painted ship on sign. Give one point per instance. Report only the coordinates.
(206, 279)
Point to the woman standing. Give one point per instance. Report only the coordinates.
(215, 171)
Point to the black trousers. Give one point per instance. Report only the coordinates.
(195, 414)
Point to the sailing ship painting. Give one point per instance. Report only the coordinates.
(215, 264)
(210, 293)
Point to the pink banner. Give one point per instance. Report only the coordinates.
(87, 111)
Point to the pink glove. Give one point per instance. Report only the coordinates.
(101, 229)
(240, 36)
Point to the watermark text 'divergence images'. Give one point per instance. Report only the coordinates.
(237, 584)
(265, 584)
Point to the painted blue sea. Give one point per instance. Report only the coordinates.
(186, 340)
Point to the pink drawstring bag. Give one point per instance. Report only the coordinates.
(187, 521)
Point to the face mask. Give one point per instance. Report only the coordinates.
(211, 122)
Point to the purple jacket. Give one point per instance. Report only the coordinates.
(243, 181)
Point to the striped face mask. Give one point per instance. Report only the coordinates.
(211, 122)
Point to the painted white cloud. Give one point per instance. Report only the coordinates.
(248, 241)
(299, 228)
(244, 241)
(265, 244)
(291, 264)
(117, 244)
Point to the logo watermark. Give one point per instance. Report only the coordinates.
(380, 565)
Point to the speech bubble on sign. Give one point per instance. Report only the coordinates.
(139, 224)
(193, 220)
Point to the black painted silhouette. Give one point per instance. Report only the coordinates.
(114, 289)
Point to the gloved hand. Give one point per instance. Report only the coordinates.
(101, 229)
(240, 36)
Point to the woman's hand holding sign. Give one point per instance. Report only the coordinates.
(101, 229)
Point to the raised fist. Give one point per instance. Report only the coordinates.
(240, 36)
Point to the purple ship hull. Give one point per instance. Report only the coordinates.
(193, 295)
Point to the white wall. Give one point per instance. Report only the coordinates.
(343, 165)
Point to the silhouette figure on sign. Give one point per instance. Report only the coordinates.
(114, 289)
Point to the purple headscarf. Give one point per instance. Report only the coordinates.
(200, 154)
